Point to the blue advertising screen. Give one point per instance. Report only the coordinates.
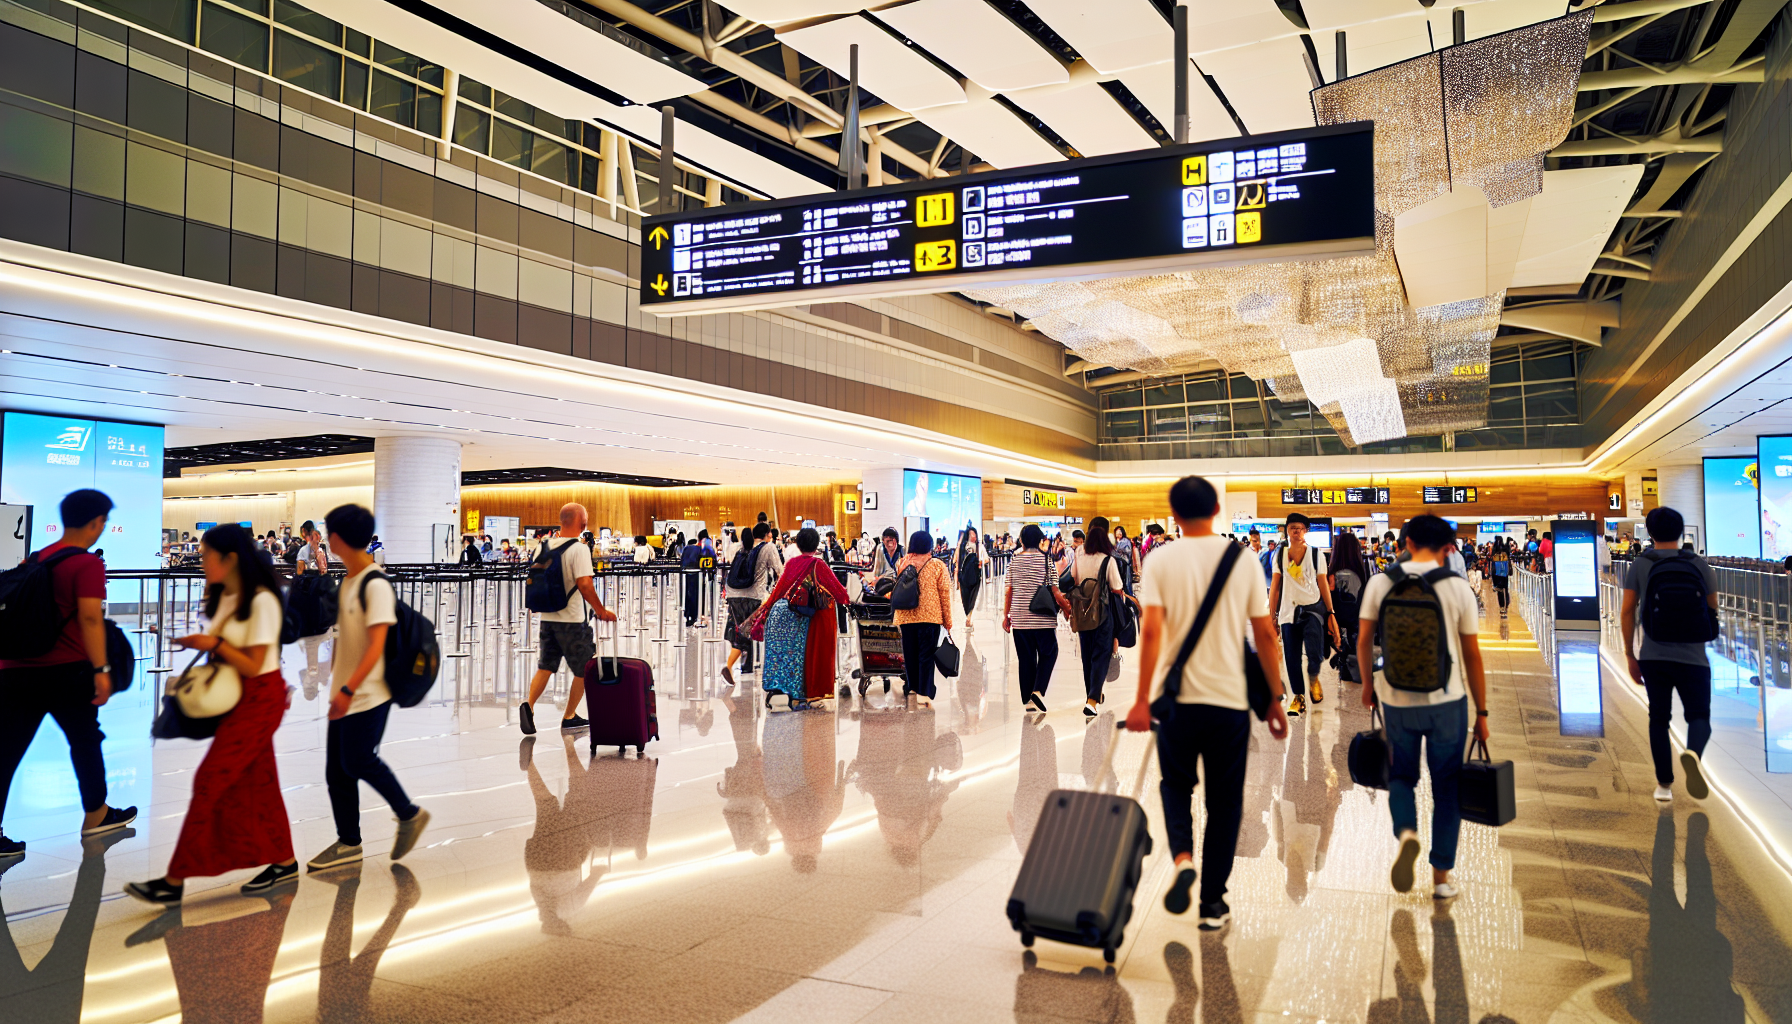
(1775, 477)
(948, 502)
(43, 458)
(1733, 506)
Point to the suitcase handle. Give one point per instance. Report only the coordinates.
(1107, 760)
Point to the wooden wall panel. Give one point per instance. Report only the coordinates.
(1002, 500)
(539, 504)
(633, 509)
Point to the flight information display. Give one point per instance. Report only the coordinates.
(1334, 496)
(1450, 495)
(1292, 194)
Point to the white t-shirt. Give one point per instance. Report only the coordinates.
(1176, 579)
(261, 627)
(574, 566)
(1087, 565)
(1300, 580)
(1461, 618)
(352, 623)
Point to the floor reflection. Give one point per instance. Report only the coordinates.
(52, 991)
(345, 981)
(1094, 994)
(222, 966)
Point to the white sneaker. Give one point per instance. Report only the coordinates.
(1443, 891)
(1664, 794)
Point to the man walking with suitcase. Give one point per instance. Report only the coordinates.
(1198, 679)
(565, 631)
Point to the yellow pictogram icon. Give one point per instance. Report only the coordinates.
(1250, 228)
(657, 236)
(660, 285)
(933, 211)
(941, 255)
(1194, 170)
(1253, 195)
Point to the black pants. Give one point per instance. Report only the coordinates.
(352, 756)
(1036, 652)
(1499, 587)
(1218, 737)
(919, 639)
(65, 693)
(1663, 679)
(1308, 631)
(968, 586)
(691, 600)
(1098, 650)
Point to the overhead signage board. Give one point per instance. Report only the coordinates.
(1733, 506)
(1289, 195)
(1334, 496)
(1044, 499)
(1450, 495)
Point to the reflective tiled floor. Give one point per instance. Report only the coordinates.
(853, 865)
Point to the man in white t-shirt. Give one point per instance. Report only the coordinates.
(1300, 592)
(1209, 716)
(566, 633)
(1439, 717)
(366, 608)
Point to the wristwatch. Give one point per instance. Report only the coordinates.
(346, 690)
(105, 669)
(1481, 714)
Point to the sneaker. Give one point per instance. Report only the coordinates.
(156, 891)
(1038, 701)
(923, 702)
(334, 855)
(1114, 669)
(11, 848)
(1176, 901)
(409, 831)
(271, 876)
(1664, 794)
(1316, 691)
(1089, 709)
(1214, 916)
(525, 716)
(1694, 768)
(575, 722)
(116, 818)
(1295, 706)
(728, 675)
(1401, 876)
(1443, 891)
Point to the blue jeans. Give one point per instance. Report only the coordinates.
(1444, 728)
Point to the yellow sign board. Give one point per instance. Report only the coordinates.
(1250, 227)
(940, 255)
(933, 211)
(1194, 170)
(473, 520)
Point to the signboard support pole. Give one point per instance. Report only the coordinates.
(850, 162)
(668, 171)
(1180, 58)
(1342, 61)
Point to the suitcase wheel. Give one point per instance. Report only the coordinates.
(864, 684)
(886, 684)
(1026, 938)
(856, 673)
(1107, 953)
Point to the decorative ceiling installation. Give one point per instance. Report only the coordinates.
(1339, 332)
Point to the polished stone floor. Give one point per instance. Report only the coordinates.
(852, 865)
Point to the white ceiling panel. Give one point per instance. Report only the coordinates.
(1441, 247)
(991, 132)
(1325, 15)
(1224, 24)
(584, 51)
(1265, 82)
(1571, 219)
(692, 143)
(1374, 44)
(778, 12)
(1155, 86)
(979, 42)
(1089, 119)
(1490, 17)
(1113, 35)
(888, 67)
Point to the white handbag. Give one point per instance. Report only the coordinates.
(207, 689)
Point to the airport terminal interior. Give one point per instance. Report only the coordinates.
(785, 439)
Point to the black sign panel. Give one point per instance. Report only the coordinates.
(1291, 194)
(1334, 496)
(1449, 495)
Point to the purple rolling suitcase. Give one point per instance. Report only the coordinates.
(621, 703)
(1077, 881)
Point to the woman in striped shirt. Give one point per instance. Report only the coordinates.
(1035, 635)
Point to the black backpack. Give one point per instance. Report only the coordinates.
(546, 589)
(29, 621)
(906, 594)
(310, 607)
(1676, 608)
(121, 656)
(740, 571)
(1415, 639)
(412, 655)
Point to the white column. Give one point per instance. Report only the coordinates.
(416, 488)
(886, 483)
(1683, 490)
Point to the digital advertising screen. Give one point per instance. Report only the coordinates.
(1774, 456)
(947, 502)
(43, 458)
(1576, 572)
(1733, 506)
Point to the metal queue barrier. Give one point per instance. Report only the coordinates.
(1534, 599)
(1754, 616)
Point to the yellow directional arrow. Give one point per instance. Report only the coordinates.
(659, 285)
(657, 236)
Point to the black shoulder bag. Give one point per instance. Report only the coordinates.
(1256, 687)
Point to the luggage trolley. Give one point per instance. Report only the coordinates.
(880, 641)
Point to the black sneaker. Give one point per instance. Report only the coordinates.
(271, 876)
(156, 891)
(10, 848)
(1214, 916)
(116, 818)
(1176, 901)
(575, 722)
(525, 716)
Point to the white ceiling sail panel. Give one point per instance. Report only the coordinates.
(1112, 35)
(979, 41)
(1571, 219)
(1155, 86)
(1224, 24)
(1266, 83)
(1441, 247)
(1373, 45)
(582, 50)
(1325, 15)
(779, 12)
(991, 132)
(1089, 119)
(1491, 17)
(737, 163)
(892, 70)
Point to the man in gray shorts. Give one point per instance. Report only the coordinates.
(742, 603)
(567, 632)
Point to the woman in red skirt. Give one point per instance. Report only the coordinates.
(236, 818)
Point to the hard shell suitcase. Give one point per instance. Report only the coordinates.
(621, 703)
(1083, 866)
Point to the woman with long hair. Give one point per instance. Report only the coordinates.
(1098, 646)
(1035, 635)
(921, 625)
(799, 644)
(969, 571)
(236, 818)
(1499, 570)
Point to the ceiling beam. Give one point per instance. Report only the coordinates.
(1668, 142)
(1685, 74)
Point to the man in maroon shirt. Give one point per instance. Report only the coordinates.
(71, 681)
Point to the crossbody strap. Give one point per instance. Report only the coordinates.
(1201, 616)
